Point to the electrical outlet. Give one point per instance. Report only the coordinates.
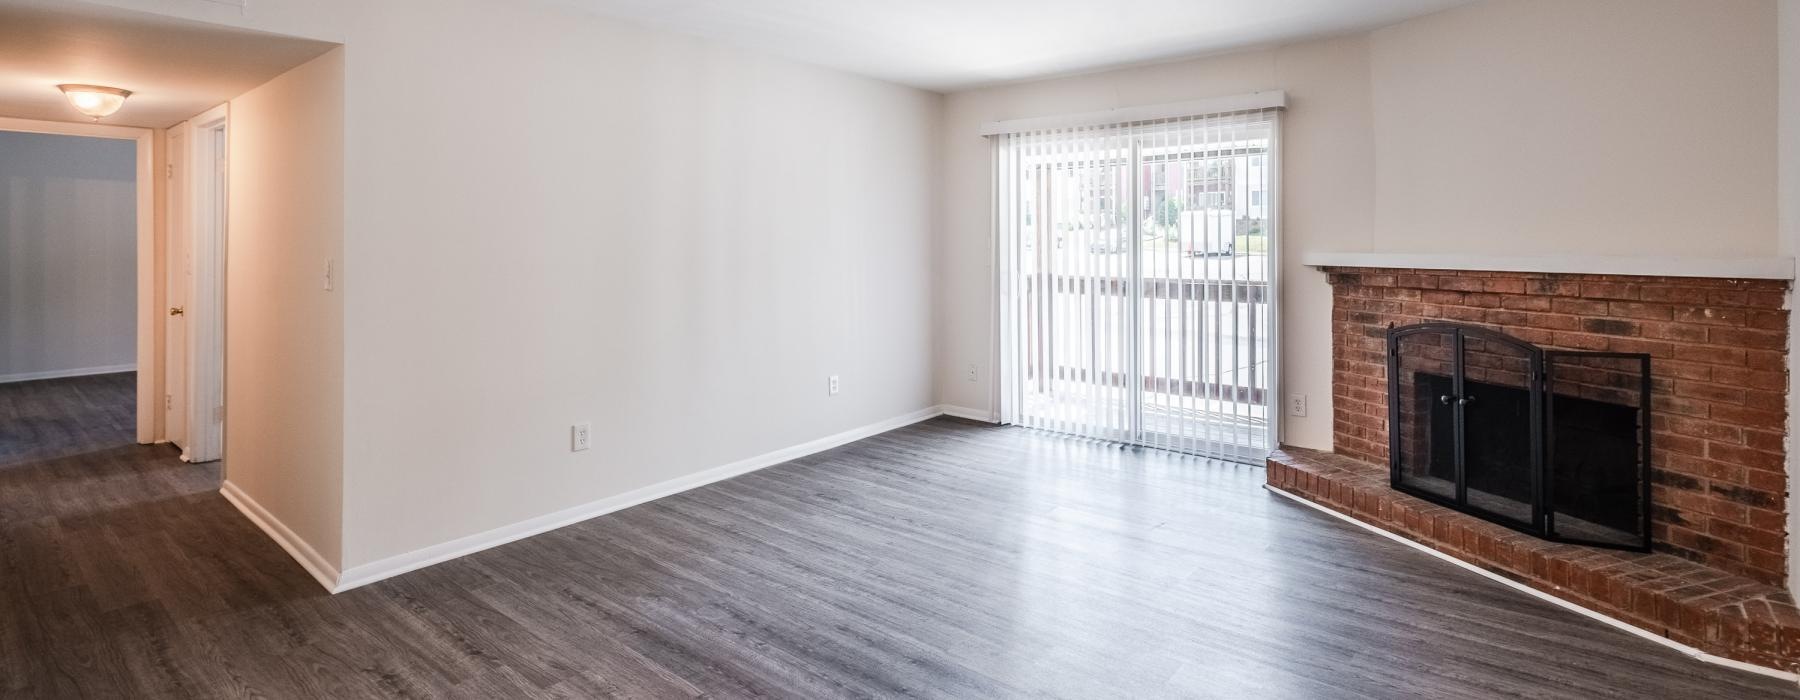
(973, 373)
(581, 436)
(1297, 405)
(831, 385)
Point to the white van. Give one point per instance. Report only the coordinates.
(1208, 232)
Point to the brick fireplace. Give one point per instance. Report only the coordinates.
(1718, 473)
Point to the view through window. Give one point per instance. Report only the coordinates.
(1138, 305)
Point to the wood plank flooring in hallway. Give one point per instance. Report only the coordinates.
(946, 559)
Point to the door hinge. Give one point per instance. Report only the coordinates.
(171, 167)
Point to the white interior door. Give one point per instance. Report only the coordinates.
(180, 273)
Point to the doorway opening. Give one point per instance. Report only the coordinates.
(80, 257)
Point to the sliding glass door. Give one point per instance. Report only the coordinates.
(1137, 259)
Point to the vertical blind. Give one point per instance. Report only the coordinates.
(1135, 282)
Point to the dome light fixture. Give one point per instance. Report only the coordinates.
(95, 100)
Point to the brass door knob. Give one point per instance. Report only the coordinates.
(176, 311)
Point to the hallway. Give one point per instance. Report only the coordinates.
(945, 559)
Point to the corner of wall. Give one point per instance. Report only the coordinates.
(1788, 219)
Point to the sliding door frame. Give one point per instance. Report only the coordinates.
(1003, 341)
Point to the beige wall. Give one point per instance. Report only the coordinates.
(1527, 127)
(284, 334)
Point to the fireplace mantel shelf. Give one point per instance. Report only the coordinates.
(1772, 267)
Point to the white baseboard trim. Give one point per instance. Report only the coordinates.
(982, 415)
(1528, 590)
(61, 373)
(321, 570)
(364, 574)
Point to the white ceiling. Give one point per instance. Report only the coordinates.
(175, 69)
(947, 45)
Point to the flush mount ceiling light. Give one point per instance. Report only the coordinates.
(95, 100)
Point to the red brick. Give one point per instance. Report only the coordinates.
(1765, 440)
(1737, 454)
(1769, 320)
(1649, 312)
(1609, 290)
(1707, 391)
(1711, 354)
(1766, 359)
(1526, 303)
(1704, 429)
(1461, 283)
(1581, 341)
(1746, 377)
(1579, 307)
(1710, 315)
(1442, 297)
(1748, 338)
(1671, 330)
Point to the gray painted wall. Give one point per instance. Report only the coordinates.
(68, 254)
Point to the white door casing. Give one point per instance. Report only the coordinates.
(180, 270)
(209, 158)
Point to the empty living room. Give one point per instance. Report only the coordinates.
(976, 349)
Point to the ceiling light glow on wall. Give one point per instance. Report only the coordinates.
(95, 100)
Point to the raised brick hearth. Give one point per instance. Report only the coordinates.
(1697, 605)
(1716, 579)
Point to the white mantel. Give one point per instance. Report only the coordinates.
(1772, 267)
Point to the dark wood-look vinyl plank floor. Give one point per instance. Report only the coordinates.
(946, 559)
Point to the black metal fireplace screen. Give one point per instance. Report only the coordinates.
(1549, 442)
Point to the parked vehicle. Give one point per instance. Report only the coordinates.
(1208, 232)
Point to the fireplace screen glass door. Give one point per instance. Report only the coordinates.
(1135, 282)
(1465, 420)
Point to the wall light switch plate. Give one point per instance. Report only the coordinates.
(831, 385)
(1297, 405)
(581, 436)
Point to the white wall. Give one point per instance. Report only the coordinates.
(68, 255)
(1531, 127)
(553, 217)
(1598, 127)
(284, 333)
(556, 218)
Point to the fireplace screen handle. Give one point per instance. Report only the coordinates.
(1463, 401)
(1445, 399)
